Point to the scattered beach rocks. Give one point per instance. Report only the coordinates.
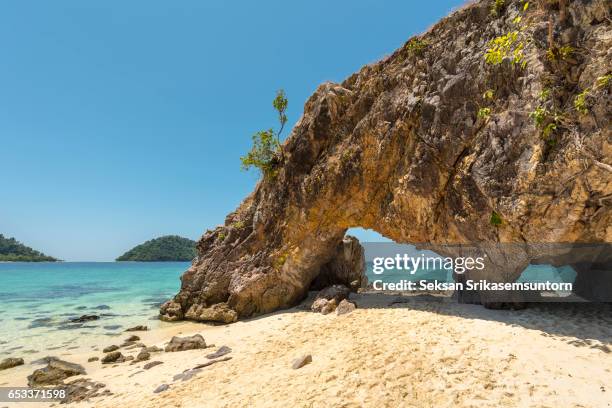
(345, 307)
(336, 292)
(219, 312)
(301, 361)
(54, 373)
(143, 355)
(323, 306)
(137, 328)
(10, 363)
(211, 362)
(110, 348)
(133, 337)
(152, 364)
(91, 359)
(113, 357)
(82, 389)
(186, 343)
(153, 349)
(84, 318)
(328, 299)
(223, 350)
(161, 388)
(186, 375)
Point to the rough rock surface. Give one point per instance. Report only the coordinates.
(219, 312)
(10, 363)
(347, 267)
(324, 306)
(83, 389)
(400, 148)
(55, 372)
(345, 307)
(137, 328)
(328, 299)
(143, 355)
(108, 349)
(186, 343)
(113, 357)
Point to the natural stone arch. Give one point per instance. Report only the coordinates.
(398, 148)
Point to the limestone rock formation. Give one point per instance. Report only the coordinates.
(347, 267)
(431, 145)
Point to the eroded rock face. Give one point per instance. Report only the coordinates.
(347, 267)
(399, 148)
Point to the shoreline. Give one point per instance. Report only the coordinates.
(429, 352)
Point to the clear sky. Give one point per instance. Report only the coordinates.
(124, 120)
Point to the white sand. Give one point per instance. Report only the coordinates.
(422, 353)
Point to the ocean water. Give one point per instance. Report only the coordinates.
(37, 301)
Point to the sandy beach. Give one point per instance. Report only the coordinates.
(391, 351)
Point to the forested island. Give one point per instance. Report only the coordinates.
(167, 248)
(12, 250)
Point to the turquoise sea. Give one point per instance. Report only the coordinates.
(38, 300)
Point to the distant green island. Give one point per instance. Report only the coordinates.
(168, 248)
(12, 250)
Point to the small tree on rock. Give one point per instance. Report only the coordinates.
(267, 151)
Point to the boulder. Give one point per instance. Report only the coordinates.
(335, 292)
(82, 389)
(138, 328)
(186, 343)
(92, 359)
(345, 307)
(54, 373)
(110, 348)
(323, 306)
(133, 337)
(153, 349)
(143, 355)
(152, 364)
(10, 363)
(113, 357)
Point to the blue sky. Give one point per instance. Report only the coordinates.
(124, 120)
